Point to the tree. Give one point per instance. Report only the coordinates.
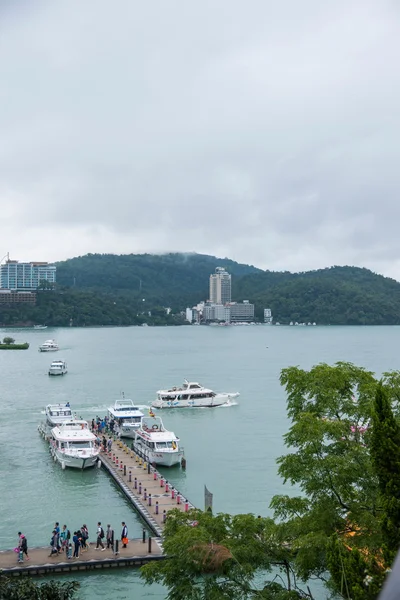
(385, 454)
(8, 340)
(12, 588)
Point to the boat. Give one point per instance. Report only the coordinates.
(126, 415)
(191, 395)
(72, 444)
(58, 367)
(157, 445)
(49, 346)
(56, 414)
(40, 327)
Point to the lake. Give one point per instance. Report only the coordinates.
(231, 449)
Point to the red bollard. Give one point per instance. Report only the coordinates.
(172, 493)
(116, 462)
(162, 481)
(155, 475)
(120, 466)
(178, 498)
(113, 457)
(166, 486)
(186, 506)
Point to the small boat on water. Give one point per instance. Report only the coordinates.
(49, 346)
(127, 417)
(191, 395)
(72, 444)
(157, 445)
(56, 414)
(40, 327)
(58, 367)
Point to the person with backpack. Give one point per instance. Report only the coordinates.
(23, 546)
(100, 536)
(85, 538)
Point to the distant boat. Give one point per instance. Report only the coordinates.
(191, 395)
(49, 346)
(40, 327)
(58, 367)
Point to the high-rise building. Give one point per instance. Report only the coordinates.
(267, 315)
(220, 286)
(15, 275)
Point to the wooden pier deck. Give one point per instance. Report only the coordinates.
(150, 494)
(39, 563)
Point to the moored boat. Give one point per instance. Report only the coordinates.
(72, 444)
(56, 414)
(58, 367)
(49, 346)
(191, 395)
(127, 417)
(157, 445)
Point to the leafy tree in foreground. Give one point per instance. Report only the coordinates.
(331, 532)
(385, 454)
(24, 588)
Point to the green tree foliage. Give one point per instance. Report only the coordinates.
(218, 558)
(24, 588)
(332, 530)
(8, 340)
(385, 453)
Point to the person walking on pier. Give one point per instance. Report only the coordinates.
(109, 444)
(100, 536)
(110, 537)
(53, 543)
(124, 535)
(85, 538)
(23, 544)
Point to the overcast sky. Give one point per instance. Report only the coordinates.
(266, 131)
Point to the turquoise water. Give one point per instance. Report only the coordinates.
(230, 449)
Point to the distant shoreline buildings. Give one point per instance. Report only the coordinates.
(19, 281)
(219, 308)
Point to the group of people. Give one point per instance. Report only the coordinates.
(73, 545)
(102, 425)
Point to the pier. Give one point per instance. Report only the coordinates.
(151, 496)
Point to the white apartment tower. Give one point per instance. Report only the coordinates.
(220, 286)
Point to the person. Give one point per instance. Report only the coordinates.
(104, 442)
(124, 534)
(77, 544)
(69, 551)
(23, 544)
(85, 538)
(100, 536)
(112, 423)
(110, 537)
(57, 530)
(65, 536)
(53, 543)
(109, 444)
(68, 404)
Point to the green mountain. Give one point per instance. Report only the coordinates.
(107, 289)
(335, 296)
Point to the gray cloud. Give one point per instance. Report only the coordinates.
(263, 131)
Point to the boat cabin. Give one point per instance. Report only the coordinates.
(188, 391)
(153, 434)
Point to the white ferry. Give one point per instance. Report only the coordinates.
(72, 444)
(49, 346)
(157, 445)
(58, 367)
(191, 395)
(56, 414)
(40, 327)
(127, 417)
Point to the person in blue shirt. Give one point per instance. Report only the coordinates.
(77, 544)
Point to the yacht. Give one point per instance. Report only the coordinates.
(56, 414)
(40, 327)
(126, 415)
(49, 346)
(58, 367)
(72, 444)
(157, 445)
(191, 395)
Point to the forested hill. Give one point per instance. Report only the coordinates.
(164, 278)
(336, 296)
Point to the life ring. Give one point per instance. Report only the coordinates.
(155, 427)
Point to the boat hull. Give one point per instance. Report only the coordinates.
(74, 461)
(218, 400)
(48, 349)
(163, 459)
(127, 432)
(55, 372)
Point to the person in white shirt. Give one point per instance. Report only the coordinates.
(100, 536)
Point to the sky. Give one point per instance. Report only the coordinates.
(263, 131)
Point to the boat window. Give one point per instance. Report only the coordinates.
(184, 397)
(161, 445)
(80, 445)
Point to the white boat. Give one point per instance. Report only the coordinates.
(191, 395)
(40, 327)
(58, 367)
(56, 414)
(157, 445)
(72, 444)
(127, 417)
(49, 346)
